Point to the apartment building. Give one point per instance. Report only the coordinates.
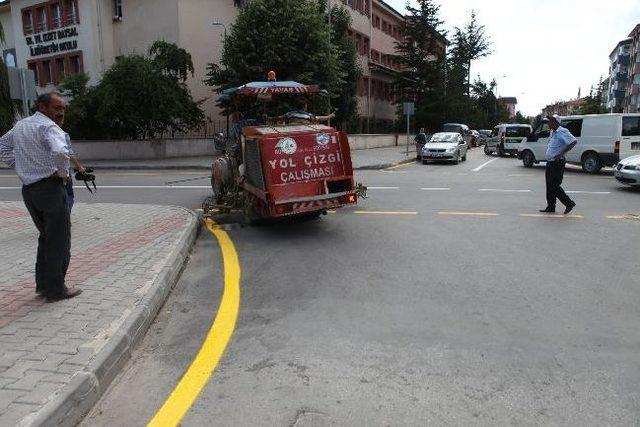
(632, 96)
(619, 60)
(375, 30)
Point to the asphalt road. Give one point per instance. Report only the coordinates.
(444, 298)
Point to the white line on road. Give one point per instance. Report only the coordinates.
(132, 187)
(383, 188)
(485, 164)
(588, 192)
(497, 190)
(435, 189)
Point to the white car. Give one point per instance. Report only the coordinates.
(603, 139)
(449, 146)
(627, 171)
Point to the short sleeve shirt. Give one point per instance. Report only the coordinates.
(559, 139)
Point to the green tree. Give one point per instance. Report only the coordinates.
(291, 37)
(473, 44)
(520, 118)
(485, 110)
(592, 103)
(345, 102)
(139, 97)
(173, 60)
(423, 66)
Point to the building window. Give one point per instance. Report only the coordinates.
(117, 9)
(27, 21)
(55, 14)
(376, 21)
(60, 69)
(33, 66)
(46, 73)
(41, 19)
(71, 12)
(75, 64)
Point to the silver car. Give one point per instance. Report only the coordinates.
(448, 146)
(627, 171)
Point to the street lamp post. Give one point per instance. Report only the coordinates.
(495, 79)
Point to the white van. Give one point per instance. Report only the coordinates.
(603, 139)
(506, 138)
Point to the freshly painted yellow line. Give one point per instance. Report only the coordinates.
(404, 163)
(469, 213)
(385, 213)
(551, 216)
(193, 381)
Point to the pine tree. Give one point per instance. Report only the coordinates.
(423, 67)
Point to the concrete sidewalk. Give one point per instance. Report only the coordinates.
(373, 158)
(56, 359)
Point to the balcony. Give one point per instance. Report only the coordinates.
(622, 77)
(624, 59)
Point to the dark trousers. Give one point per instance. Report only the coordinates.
(46, 201)
(554, 174)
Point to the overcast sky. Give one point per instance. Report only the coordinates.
(523, 33)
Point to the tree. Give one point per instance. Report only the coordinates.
(520, 118)
(485, 110)
(423, 66)
(473, 44)
(291, 37)
(592, 104)
(345, 102)
(139, 97)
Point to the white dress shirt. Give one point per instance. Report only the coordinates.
(37, 148)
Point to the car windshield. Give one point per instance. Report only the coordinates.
(451, 128)
(444, 137)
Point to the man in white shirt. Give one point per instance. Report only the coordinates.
(560, 142)
(37, 148)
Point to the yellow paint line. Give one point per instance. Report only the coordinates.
(403, 164)
(469, 213)
(385, 213)
(202, 367)
(616, 217)
(551, 216)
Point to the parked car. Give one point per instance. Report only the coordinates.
(449, 146)
(627, 171)
(506, 138)
(484, 135)
(603, 139)
(463, 130)
(475, 140)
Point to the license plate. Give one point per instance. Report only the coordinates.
(635, 145)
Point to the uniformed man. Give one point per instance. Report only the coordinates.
(560, 142)
(37, 148)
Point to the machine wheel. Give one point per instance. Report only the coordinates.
(528, 159)
(486, 150)
(424, 161)
(591, 163)
(457, 160)
(464, 158)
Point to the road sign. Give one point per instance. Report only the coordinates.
(408, 108)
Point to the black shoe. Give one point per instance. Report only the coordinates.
(569, 208)
(548, 210)
(67, 294)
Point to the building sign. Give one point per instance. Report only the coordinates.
(52, 42)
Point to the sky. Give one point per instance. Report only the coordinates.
(546, 49)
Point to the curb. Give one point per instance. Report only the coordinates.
(77, 398)
(385, 165)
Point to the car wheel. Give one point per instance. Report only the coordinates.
(457, 160)
(528, 159)
(591, 163)
(425, 161)
(464, 158)
(486, 150)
